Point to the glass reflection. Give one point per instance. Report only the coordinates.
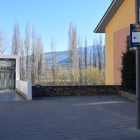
(7, 64)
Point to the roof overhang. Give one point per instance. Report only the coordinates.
(113, 8)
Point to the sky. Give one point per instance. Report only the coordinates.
(51, 18)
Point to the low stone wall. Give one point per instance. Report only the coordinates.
(127, 95)
(79, 90)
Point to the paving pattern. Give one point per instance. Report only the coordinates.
(69, 118)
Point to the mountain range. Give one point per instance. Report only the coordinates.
(63, 57)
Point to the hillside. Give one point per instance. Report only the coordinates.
(62, 56)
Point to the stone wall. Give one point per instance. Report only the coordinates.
(79, 90)
(127, 95)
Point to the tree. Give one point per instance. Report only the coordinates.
(54, 58)
(86, 59)
(3, 42)
(16, 39)
(86, 53)
(99, 51)
(72, 46)
(128, 70)
(41, 60)
(33, 57)
(27, 51)
(93, 76)
(22, 61)
(73, 53)
(80, 51)
(94, 54)
(37, 59)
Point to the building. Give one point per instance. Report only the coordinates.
(116, 26)
(10, 77)
(9, 71)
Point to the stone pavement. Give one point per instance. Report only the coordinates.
(69, 118)
(6, 96)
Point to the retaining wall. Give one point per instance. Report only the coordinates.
(79, 90)
(127, 95)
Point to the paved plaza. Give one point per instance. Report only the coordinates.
(69, 118)
(6, 96)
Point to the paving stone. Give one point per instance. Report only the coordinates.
(73, 118)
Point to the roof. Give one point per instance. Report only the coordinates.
(111, 11)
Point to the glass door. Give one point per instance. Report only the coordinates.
(5, 80)
(2, 80)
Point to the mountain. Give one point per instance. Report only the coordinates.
(63, 57)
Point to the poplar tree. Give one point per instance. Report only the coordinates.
(86, 53)
(27, 51)
(3, 42)
(16, 39)
(54, 58)
(80, 51)
(38, 64)
(100, 53)
(86, 59)
(41, 60)
(33, 57)
(72, 46)
(22, 61)
(94, 54)
(73, 53)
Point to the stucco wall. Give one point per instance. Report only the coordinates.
(122, 19)
(119, 46)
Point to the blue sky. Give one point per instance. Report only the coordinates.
(52, 18)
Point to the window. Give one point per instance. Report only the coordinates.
(7, 64)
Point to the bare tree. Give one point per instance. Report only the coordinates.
(73, 53)
(86, 58)
(86, 53)
(34, 63)
(16, 39)
(3, 42)
(72, 46)
(80, 51)
(90, 63)
(41, 60)
(103, 56)
(100, 53)
(22, 61)
(27, 51)
(94, 54)
(38, 65)
(54, 58)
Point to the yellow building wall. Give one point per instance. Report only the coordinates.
(123, 18)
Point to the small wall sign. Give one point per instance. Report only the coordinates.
(134, 35)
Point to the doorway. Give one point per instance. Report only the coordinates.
(7, 74)
(7, 80)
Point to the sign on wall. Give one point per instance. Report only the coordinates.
(134, 35)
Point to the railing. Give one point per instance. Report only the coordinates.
(24, 88)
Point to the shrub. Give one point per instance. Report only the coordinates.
(128, 70)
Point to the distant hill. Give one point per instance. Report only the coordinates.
(63, 57)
